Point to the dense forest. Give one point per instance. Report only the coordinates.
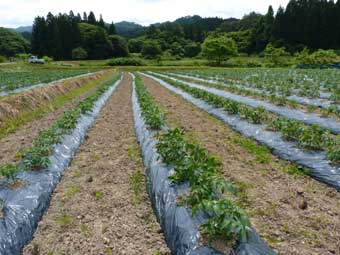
(314, 24)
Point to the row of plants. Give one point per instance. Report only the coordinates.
(278, 99)
(209, 192)
(311, 137)
(20, 77)
(36, 157)
(285, 82)
(151, 113)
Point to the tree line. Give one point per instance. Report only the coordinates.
(313, 24)
(69, 36)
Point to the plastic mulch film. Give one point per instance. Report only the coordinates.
(320, 168)
(317, 102)
(19, 90)
(179, 226)
(308, 118)
(24, 207)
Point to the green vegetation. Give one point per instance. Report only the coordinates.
(11, 79)
(36, 157)
(94, 40)
(125, 62)
(12, 43)
(152, 115)
(79, 53)
(261, 153)
(219, 48)
(98, 195)
(13, 124)
(307, 136)
(65, 220)
(137, 180)
(202, 171)
(317, 58)
(9, 171)
(278, 83)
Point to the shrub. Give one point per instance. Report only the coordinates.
(275, 55)
(79, 53)
(22, 56)
(151, 49)
(2, 59)
(125, 62)
(320, 57)
(47, 59)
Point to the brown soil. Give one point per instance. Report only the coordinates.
(14, 105)
(94, 209)
(294, 214)
(24, 136)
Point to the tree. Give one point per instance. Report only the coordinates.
(192, 49)
(317, 58)
(95, 41)
(274, 55)
(39, 36)
(119, 46)
(177, 49)
(92, 19)
(219, 48)
(12, 43)
(151, 49)
(85, 17)
(112, 29)
(101, 22)
(79, 53)
(136, 45)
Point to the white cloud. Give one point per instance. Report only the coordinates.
(15, 13)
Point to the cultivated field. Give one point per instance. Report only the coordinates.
(205, 161)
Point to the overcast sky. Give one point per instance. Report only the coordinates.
(14, 13)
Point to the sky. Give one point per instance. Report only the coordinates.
(14, 13)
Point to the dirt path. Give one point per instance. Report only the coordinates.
(100, 205)
(24, 136)
(294, 214)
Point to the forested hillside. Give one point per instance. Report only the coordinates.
(12, 43)
(314, 24)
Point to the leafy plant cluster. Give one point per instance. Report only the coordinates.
(202, 171)
(36, 157)
(307, 136)
(150, 112)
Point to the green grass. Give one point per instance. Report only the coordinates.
(261, 153)
(73, 190)
(98, 195)
(65, 220)
(85, 230)
(137, 181)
